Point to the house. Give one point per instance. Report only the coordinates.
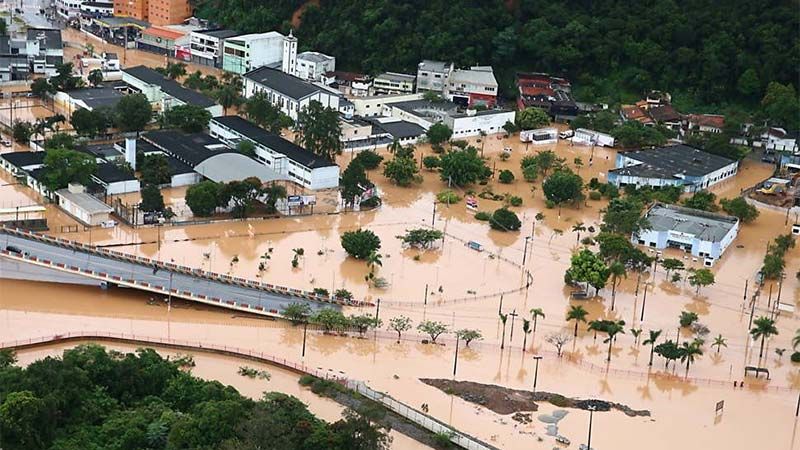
(84, 207)
(654, 109)
(591, 137)
(44, 49)
(285, 158)
(705, 123)
(68, 8)
(162, 40)
(106, 95)
(474, 86)
(780, 140)
(666, 116)
(13, 67)
(242, 54)
(311, 66)
(549, 93)
(405, 132)
(156, 12)
(703, 234)
(374, 105)
(432, 75)
(97, 9)
(636, 113)
(181, 174)
(164, 93)
(348, 83)
(674, 165)
(287, 92)
(205, 46)
(19, 163)
(464, 123)
(114, 180)
(393, 83)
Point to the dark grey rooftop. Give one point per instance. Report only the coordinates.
(110, 173)
(703, 225)
(24, 159)
(190, 148)
(107, 94)
(401, 129)
(274, 142)
(219, 33)
(425, 107)
(104, 151)
(170, 87)
(286, 84)
(680, 159)
(51, 37)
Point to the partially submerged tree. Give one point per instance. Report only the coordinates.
(399, 325)
(432, 328)
(468, 335)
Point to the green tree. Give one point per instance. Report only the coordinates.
(462, 168)
(563, 186)
(296, 312)
(175, 70)
(399, 325)
(617, 271)
(363, 322)
(739, 208)
(531, 118)
(781, 105)
(369, 159)
(624, 216)
(246, 148)
(700, 278)
(763, 328)
(612, 330)
(203, 198)
(535, 314)
(374, 260)
(41, 88)
(330, 320)
(95, 77)
(133, 113)
(64, 80)
(578, 314)
(421, 237)
(25, 421)
(402, 171)
(242, 194)
(670, 264)
(438, 134)
(504, 219)
(506, 177)
(432, 328)
(90, 123)
(687, 318)
(228, 96)
(189, 118)
(360, 243)
(22, 132)
(152, 200)
(668, 350)
(702, 200)
(589, 268)
(262, 112)
(651, 341)
(719, 342)
(748, 84)
(468, 335)
(319, 131)
(63, 166)
(634, 134)
(154, 169)
(689, 351)
(353, 182)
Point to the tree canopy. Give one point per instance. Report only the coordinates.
(563, 186)
(463, 167)
(360, 243)
(63, 166)
(189, 118)
(319, 131)
(133, 113)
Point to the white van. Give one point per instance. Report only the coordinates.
(566, 134)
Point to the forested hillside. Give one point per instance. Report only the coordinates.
(706, 52)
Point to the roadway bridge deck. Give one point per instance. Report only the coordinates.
(60, 260)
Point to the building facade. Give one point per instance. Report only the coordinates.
(393, 83)
(432, 75)
(156, 12)
(205, 46)
(287, 92)
(474, 86)
(311, 66)
(244, 53)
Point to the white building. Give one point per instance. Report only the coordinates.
(701, 233)
(591, 137)
(164, 93)
(464, 124)
(244, 53)
(432, 75)
(97, 9)
(68, 8)
(311, 66)
(44, 49)
(287, 92)
(394, 83)
(282, 156)
(375, 105)
(115, 180)
(474, 86)
(77, 203)
(206, 46)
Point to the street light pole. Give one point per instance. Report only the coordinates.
(455, 358)
(305, 328)
(644, 302)
(513, 315)
(591, 409)
(536, 372)
(377, 309)
(525, 252)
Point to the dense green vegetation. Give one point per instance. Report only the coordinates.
(93, 399)
(707, 53)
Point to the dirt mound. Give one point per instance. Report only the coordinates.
(504, 400)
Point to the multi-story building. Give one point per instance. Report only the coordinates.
(44, 49)
(205, 46)
(164, 93)
(157, 12)
(393, 83)
(287, 92)
(163, 40)
(348, 83)
(244, 53)
(474, 86)
(312, 66)
(432, 75)
(68, 8)
(552, 94)
(97, 9)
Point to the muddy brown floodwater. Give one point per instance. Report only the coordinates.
(761, 415)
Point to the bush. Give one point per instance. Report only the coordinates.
(558, 400)
(513, 200)
(687, 318)
(431, 162)
(505, 220)
(595, 195)
(442, 440)
(369, 159)
(549, 204)
(448, 196)
(372, 202)
(506, 177)
(360, 243)
(482, 215)
(796, 357)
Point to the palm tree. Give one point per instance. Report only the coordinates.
(613, 329)
(795, 339)
(651, 341)
(395, 146)
(720, 341)
(596, 325)
(577, 228)
(689, 350)
(228, 95)
(374, 259)
(537, 312)
(578, 314)
(526, 329)
(503, 318)
(617, 270)
(636, 332)
(764, 328)
(483, 140)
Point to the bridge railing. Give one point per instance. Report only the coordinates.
(194, 272)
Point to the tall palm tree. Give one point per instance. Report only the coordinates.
(228, 95)
(536, 313)
(651, 341)
(395, 146)
(617, 271)
(526, 329)
(636, 332)
(720, 341)
(613, 329)
(690, 350)
(577, 228)
(578, 314)
(764, 328)
(596, 325)
(503, 318)
(374, 259)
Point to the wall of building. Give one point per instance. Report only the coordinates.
(131, 8)
(185, 179)
(168, 12)
(81, 214)
(472, 125)
(374, 106)
(123, 187)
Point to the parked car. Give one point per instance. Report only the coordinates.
(13, 249)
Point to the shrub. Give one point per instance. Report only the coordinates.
(372, 202)
(506, 177)
(505, 220)
(558, 400)
(595, 195)
(442, 440)
(448, 196)
(513, 200)
(360, 243)
(431, 162)
(482, 215)
(369, 159)
(687, 318)
(549, 204)
(796, 357)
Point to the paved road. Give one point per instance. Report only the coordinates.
(163, 277)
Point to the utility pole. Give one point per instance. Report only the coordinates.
(426, 293)
(644, 302)
(377, 309)
(455, 358)
(536, 371)
(500, 309)
(591, 409)
(513, 315)
(433, 216)
(305, 328)
(525, 252)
